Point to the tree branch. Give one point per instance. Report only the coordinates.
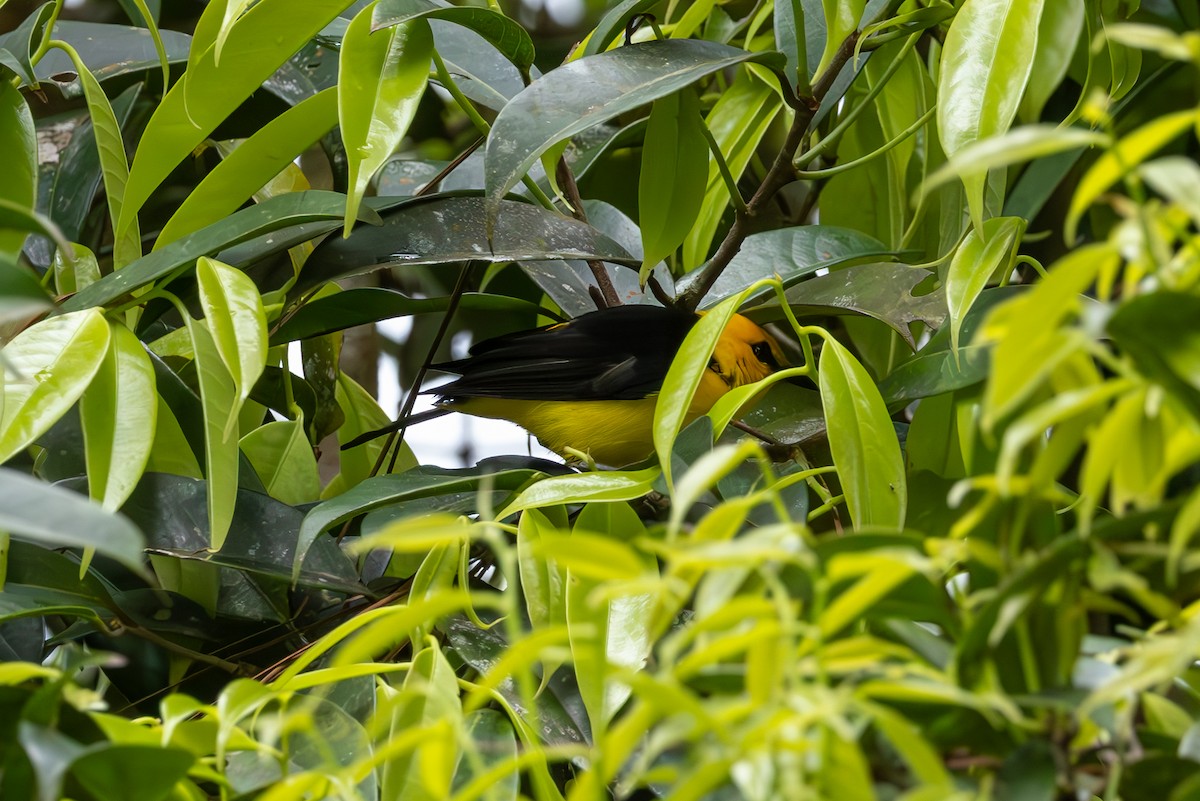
(566, 180)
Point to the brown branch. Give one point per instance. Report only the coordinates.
(566, 180)
(780, 174)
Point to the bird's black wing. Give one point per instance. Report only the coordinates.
(620, 353)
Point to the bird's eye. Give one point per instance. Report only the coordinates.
(763, 352)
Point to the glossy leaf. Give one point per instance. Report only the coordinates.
(673, 176)
(980, 256)
(194, 107)
(272, 215)
(252, 165)
(506, 35)
(985, 66)
(118, 412)
(1026, 143)
(52, 517)
(607, 485)
(18, 184)
(21, 295)
(451, 229)
(865, 450)
(219, 398)
(1057, 39)
(284, 460)
(48, 366)
(109, 51)
(234, 315)
(552, 109)
(793, 254)
(18, 46)
(113, 164)
(612, 24)
(841, 20)
(381, 77)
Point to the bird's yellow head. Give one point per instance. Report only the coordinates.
(744, 354)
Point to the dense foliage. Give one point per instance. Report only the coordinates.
(955, 561)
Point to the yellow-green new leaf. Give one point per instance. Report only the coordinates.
(674, 175)
(218, 398)
(382, 76)
(48, 366)
(975, 261)
(234, 312)
(862, 440)
(841, 19)
(985, 67)
(283, 458)
(119, 413)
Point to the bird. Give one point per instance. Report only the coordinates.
(589, 385)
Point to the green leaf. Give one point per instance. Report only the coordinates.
(1128, 153)
(447, 229)
(738, 123)
(882, 291)
(607, 485)
(113, 165)
(106, 771)
(252, 165)
(1057, 39)
(1026, 143)
(293, 209)
(18, 46)
(489, 732)
(977, 259)
(234, 314)
(364, 305)
(263, 39)
(381, 77)
(109, 51)
(841, 20)
(505, 34)
(18, 183)
(554, 108)
(219, 397)
(48, 366)
(1177, 178)
(52, 517)
(379, 491)
(119, 412)
(21, 294)
(862, 439)
(612, 24)
(985, 66)
(1157, 332)
(284, 460)
(673, 176)
(793, 254)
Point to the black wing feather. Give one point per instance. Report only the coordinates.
(620, 353)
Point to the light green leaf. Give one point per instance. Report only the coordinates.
(118, 412)
(284, 460)
(1027, 143)
(53, 517)
(72, 276)
(219, 399)
(1128, 153)
(234, 313)
(252, 165)
(1058, 37)
(18, 181)
(264, 38)
(608, 485)
(985, 66)
(113, 163)
(862, 439)
(977, 259)
(48, 366)
(673, 177)
(1177, 178)
(382, 77)
(503, 33)
(841, 20)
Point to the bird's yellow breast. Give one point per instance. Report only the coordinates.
(613, 432)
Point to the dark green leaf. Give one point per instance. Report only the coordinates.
(18, 45)
(613, 24)
(440, 229)
(793, 254)
(106, 772)
(553, 108)
(501, 32)
(109, 51)
(278, 212)
(362, 305)
(882, 291)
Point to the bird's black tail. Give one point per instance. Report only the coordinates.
(403, 422)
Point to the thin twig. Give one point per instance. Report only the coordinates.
(566, 181)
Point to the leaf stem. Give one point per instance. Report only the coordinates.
(829, 172)
(739, 203)
(608, 293)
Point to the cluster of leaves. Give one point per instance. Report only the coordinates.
(972, 578)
